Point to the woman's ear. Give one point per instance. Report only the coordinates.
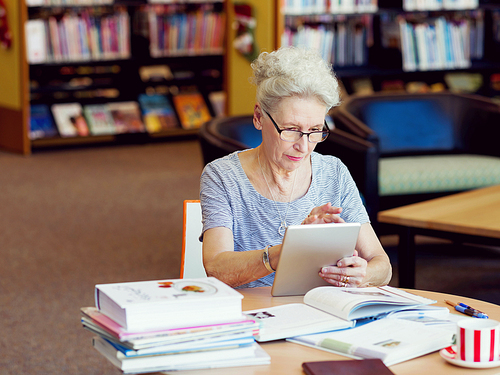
(257, 117)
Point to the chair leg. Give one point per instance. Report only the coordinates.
(406, 258)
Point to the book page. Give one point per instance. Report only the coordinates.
(357, 303)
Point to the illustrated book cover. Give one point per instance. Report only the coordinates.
(160, 304)
(127, 117)
(158, 113)
(99, 119)
(70, 120)
(41, 122)
(192, 109)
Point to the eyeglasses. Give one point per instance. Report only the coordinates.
(288, 135)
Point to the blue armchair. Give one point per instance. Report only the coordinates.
(422, 145)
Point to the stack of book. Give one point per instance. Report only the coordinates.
(167, 325)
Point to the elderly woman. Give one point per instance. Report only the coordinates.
(249, 197)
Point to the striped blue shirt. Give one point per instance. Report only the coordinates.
(228, 199)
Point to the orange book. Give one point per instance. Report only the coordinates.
(191, 109)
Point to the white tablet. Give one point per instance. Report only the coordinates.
(308, 248)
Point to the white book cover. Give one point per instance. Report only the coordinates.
(156, 304)
(69, 119)
(36, 44)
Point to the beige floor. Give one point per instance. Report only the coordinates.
(70, 219)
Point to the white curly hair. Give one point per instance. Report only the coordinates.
(292, 71)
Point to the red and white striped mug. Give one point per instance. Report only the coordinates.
(478, 340)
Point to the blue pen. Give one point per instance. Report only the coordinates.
(480, 313)
(467, 310)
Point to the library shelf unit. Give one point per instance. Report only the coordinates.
(379, 30)
(106, 66)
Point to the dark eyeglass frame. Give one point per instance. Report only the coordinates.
(326, 130)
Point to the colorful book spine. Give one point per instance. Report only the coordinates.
(341, 42)
(199, 32)
(83, 36)
(442, 43)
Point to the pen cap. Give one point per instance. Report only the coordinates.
(478, 340)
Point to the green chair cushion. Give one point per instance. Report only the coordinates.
(438, 173)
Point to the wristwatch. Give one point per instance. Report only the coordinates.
(266, 260)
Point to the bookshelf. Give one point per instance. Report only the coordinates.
(400, 44)
(94, 52)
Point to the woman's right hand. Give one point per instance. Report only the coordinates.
(324, 214)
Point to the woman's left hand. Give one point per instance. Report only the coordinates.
(348, 272)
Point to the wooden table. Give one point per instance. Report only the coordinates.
(469, 217)
(287, 358)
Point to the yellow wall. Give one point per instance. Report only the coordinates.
(241, 94)
(10, 61)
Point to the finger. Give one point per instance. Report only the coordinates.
(326, 209)
(348, 262)
(335, 281)
(333, 219)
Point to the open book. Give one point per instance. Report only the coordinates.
(362, 303)
(330, 308)
(392, 340)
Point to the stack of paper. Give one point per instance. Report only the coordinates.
(168, 325)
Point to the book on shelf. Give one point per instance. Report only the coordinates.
(391, 340)
(95, 321)
(293, 319)
(174, 33)
(70, 120)
(362, 86)
(41, 122)
(361, 367)
(127, 117)
(245, 355)
(160, 304)
(191, 109)
(157, 112)
(218, 102)
(463, 82)
(36, 42)
(99, 119)
(439, 43)
(83, 35)
(155, 73)
(344, 43)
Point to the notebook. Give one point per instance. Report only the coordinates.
(308, 248)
